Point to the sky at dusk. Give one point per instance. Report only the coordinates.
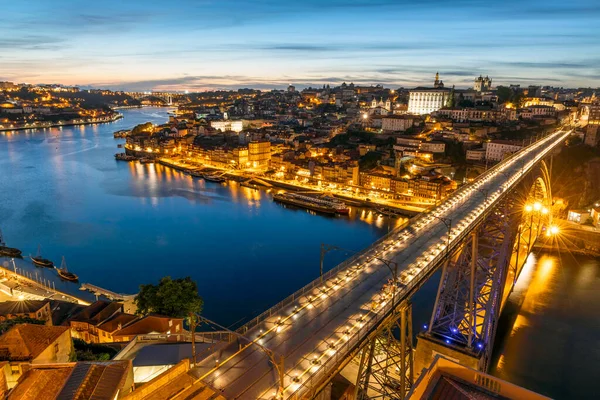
(199, 45)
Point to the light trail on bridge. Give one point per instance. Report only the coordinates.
(318, 331)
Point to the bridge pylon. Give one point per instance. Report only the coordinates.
(386, 361)
(478, 277)
(469, 300)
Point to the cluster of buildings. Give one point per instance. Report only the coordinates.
(40, 106)
(303, 135)
(38, 353)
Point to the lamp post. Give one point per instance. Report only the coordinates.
(278, 365)
(448, 223)
(325, 248)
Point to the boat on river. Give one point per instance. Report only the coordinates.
(64, 273)
(146, 160)
(215, 178)
(302, 201)
(40, 261)
(125, 157)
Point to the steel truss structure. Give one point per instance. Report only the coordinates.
(469, 297)
(386, 361)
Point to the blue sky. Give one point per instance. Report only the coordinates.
(203, 44)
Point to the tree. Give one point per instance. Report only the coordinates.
(171, 297)
(175, 298)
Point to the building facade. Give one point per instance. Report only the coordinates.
(496, 150)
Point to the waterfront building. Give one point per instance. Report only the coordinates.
(424, 100)
(26, 344)
(105, 322)
(259, 154)
(496, 150)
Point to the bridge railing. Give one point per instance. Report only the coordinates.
(355, 339)
(353, 259)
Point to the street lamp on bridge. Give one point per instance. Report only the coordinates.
(390, 264)
(277, 364)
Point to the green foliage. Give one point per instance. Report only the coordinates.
(9, 323)
(456, 153)
(142, 128)
(172, 297)
(504, 94)
(91, 351)
(369, 161)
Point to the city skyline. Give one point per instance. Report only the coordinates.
(230, 44)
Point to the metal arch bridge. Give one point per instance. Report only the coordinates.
(293, 350)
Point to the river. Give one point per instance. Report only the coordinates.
(122, 224)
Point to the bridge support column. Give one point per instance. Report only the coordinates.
(470, 296)
(386, 362)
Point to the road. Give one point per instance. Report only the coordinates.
(319, 328)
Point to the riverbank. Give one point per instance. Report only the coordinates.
(241, 176)
(91, 121)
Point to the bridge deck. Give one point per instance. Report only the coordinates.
(328, 321)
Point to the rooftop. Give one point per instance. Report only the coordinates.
(27, 341)
(21, 307)
(82, 380)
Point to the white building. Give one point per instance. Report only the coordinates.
(475, 155)
(433, 147)
(228, 125)
(496, 150)
(427, 100)
(396, 123)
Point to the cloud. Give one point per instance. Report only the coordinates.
(31, 42)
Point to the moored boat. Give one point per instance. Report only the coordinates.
(197, 174)
(40, 261)
(64, 273)
(146, 160)
(304, 202)
(214, 178)
(9, 251)
(125, 157)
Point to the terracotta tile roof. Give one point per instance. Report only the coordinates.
(27, 341)
(21, 307)
(116, 321)
(148, 324)
(96, 380)
(97, 312)
(41, 384)
(82, 380)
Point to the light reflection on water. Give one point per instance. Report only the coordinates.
(553, 346)
(122, 224)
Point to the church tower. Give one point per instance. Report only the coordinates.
(438, 83)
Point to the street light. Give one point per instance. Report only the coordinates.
(448, 223)
(325, 248)
(278, 365)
